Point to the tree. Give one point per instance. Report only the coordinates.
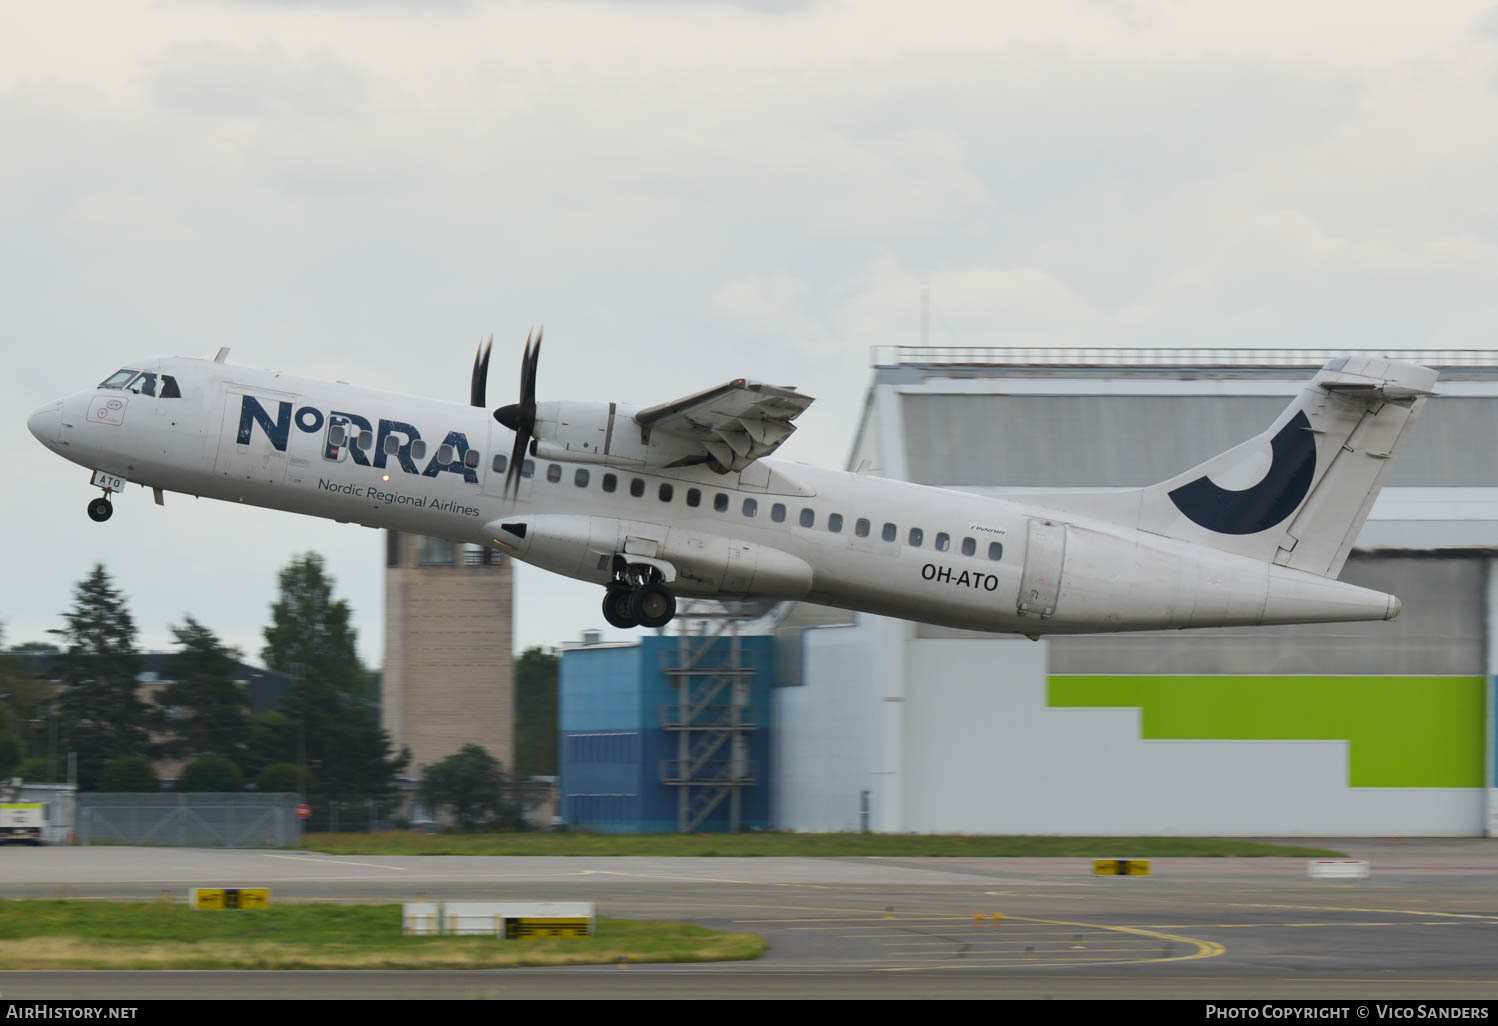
(536, 713)
(211, 773)
(24, 700)
(129, 773)
(273, 739)
(328, 720)
(34, 648)
(101, 716)
(277, 778)
(470, 784)
(34, 769)
(12, 753)
(204, 712)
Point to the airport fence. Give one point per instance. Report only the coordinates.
(229, 820)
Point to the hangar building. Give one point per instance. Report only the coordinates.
(1373, 729)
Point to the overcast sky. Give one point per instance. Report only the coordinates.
(685, 192)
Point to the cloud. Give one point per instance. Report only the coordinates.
(756, 6)
(211, 79)
(1487, 24)
(358, 6)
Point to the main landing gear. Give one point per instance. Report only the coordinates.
(637, 597)
(100, 510)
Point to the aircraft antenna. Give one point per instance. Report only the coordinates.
(925, 312)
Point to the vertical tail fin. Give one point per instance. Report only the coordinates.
(1299, 493)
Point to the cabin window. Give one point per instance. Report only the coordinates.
(750, 507)
(969, 546)
(501, 461)
(943, 541)
(835, 523)
(610, 482)
(392, 445)
(808, 518)
(446, 454)
(419, 450)
(777, 512)
(720, 502)
(665, 492)
(169, 389)
(554, 472)
(365, 442)
(861, 528)
(580, 477)
(471, 460)
(528, 468)
(637, 486)
(890, 531)
(337, 436)
(694, 497)
(995, 551)
(916, 537)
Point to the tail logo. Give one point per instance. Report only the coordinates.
(1259, 507)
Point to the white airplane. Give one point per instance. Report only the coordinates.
(680, 499)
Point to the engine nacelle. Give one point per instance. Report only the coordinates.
(606, 433)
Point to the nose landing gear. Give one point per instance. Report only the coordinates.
(637, 597)
(100, 510)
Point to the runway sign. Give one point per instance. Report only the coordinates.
(1121, 867)
(229, 897)
(551, 926)
(510, 920)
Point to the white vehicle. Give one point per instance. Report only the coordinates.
(681, 499)
(20, 822)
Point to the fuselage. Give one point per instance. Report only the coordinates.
(775, 530)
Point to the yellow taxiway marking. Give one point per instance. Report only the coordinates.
(335, 862)
(1203, 948)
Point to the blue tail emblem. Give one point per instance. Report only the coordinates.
(1261, 506)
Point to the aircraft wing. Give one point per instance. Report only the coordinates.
(734, 424)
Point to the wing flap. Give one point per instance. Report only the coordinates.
(735, 423)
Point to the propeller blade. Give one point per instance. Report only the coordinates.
(479, 385)
(517, 457)
(521, 417)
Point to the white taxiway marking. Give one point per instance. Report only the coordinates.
(335, 862)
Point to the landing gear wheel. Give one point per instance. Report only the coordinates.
(653, 605)
(100, 510)
(616, 608)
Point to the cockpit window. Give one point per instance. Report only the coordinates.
(119, 379)
(169, 389)
(144, 384)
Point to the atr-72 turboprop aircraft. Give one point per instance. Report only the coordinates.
(679, 499)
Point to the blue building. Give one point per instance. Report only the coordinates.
(667, 734)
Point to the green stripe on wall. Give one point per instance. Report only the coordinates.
(1402, 731)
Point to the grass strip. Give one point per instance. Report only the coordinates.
(154, 935)
(801, 845)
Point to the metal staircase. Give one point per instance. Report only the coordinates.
(712, 716)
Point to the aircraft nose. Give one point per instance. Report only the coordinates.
(46, 423)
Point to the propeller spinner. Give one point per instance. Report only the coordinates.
(521, 417)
